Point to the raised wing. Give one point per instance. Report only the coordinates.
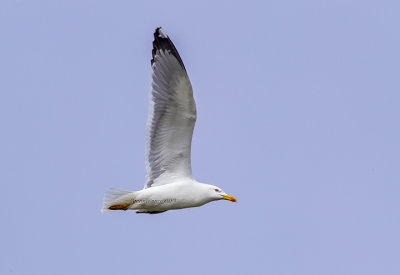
(172, 115)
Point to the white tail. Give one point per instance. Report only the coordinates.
(115, 199)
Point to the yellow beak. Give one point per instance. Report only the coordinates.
(229, 198)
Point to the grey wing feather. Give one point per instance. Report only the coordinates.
(172, 115)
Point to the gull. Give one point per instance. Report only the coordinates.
(170, 125)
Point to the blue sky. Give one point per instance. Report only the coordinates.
(298, 117)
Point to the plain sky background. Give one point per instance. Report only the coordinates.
(298, 117)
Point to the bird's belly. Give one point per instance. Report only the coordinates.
(163, 204)
(155, 204)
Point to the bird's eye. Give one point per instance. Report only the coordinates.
(217, 190)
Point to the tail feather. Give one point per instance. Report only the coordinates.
(115, 199)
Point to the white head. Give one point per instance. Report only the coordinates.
(216, 193)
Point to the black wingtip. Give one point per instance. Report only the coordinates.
(159, 32)
(162, 42)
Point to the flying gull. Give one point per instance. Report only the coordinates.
(170, 125)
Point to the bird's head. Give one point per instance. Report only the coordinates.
(217, 193)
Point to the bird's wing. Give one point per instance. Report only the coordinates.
(172, 115)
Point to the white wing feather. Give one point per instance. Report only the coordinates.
(172, 116)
